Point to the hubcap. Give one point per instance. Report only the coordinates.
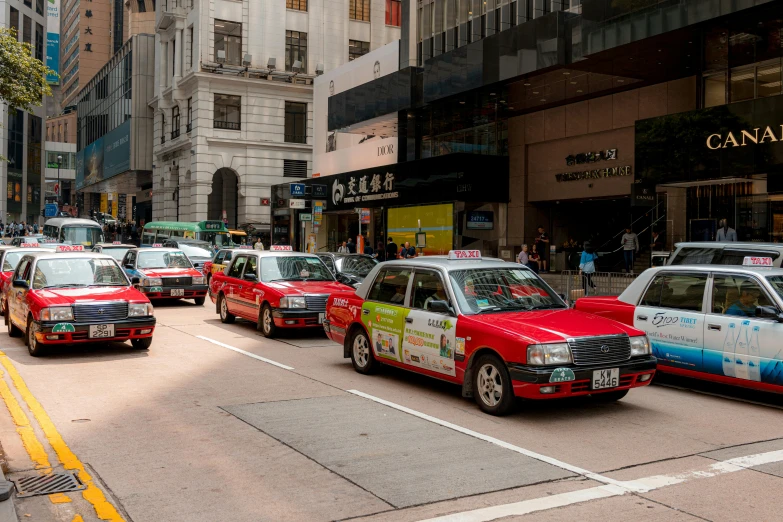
(361, 351)
(32, 341)
(267, 321)
(490, 385)
(223, 308)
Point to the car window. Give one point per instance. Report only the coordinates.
(737, 257)
(390, 286)
(219, 257)
(358, 266)
(21, 270)
(328, 261)
(696, 256)
(488, 290)
(251, 266)
(228, 257)
(11, 260)
(237, 266)
(427, 287)
(734, 294)
(677, 291)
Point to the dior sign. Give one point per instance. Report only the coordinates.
(384, 150)
(744, 138)
(612, 172)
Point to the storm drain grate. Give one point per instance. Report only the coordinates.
(59, 482)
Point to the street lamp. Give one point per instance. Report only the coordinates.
(59, 187)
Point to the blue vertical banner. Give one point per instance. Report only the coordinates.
(53, 41)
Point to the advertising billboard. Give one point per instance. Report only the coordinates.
(53, 41)
(104, 157)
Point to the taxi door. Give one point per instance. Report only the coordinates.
(429, 339)
(671, 313)
(737, 343)
(249, 304)
(234, 284)
(17, 297)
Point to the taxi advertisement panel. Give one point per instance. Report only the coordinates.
(385, 325)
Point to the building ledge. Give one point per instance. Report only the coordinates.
(182, 142)
(279, 145)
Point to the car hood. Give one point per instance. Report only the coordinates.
(67, 296)
(169, 272)
(307, 287)
(548, 326)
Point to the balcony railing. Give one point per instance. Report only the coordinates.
(189, 127)
(228, 125)
(175, 134)
(296, 138)
(163, 139)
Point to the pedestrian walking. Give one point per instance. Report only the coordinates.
(587, 267)
(391, 249)
(258, 245)
(725, 232)
(343, 249)
(407, 251)
(657, 241)
(542, 245)
(380, 253)
(351, 246)
(523, 258)
(630, 244)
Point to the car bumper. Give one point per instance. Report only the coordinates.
(189, 292)
(528, 381)
(297, 318)
(123, 330)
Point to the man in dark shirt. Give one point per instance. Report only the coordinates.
(368, 250)
(391, 249)
(542, 246)
(407, 251)
(351, 246)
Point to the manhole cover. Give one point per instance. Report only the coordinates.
(58, 482)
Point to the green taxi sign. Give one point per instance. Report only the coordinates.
(63, 328)
(562, 375)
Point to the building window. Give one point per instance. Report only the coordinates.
(393, 12)
(14, 22)
(357, 49)
(359, 10)
(294, 168)
(190, 49)
(295, 122)
(39, 7)
(299, 5)
(190, 114)
(27, 29)
(39, 42)
(295, 50)
(228, 110)
(162, 128)
(175, 122)
(228, 42)
(142, 7)
(65, 133)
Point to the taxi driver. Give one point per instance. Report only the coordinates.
(746, 304)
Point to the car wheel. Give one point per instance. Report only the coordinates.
(266, 322)
(612, 396)
(142, 344)
(33, 346)
(199, 301)
(2, 308)
(362, 357)
(492, 386)
(225, 316)
(13, 331)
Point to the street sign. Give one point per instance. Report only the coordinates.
(50, 210)
(319, 191)
(297, 189)
(296, 203)
(305, 217)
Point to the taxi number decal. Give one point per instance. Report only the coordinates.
(63, 328)
(562, 375)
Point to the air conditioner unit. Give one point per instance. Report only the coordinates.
(319, 69)
(297, 66)
(271, 64)
(247, 61)
(221, 55)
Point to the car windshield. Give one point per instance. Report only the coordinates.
(717, 256)
(11, 260)
(194, 251)
(87, 236)
(220, 239)
(70, 272)
(502, 290)
(163, 259)
(777, 283)
(358, 266)
(117, 253)
(294, 268)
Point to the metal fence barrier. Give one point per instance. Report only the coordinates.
(573, 285)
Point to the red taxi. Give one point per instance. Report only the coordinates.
(75, 297)
(9, 258)
(275, 289)
(165, 273)
(496, 328)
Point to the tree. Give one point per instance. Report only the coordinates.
(22, 77)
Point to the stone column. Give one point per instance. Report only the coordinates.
(178, 48)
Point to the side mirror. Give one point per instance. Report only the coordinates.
(135, 280)
(250, 277)
(439, 307)
(762, 312)
(21, 283)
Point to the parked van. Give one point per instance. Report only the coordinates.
(73, 231)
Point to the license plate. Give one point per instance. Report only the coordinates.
(606, 379)
(99, 331)
(321, 318)
(177, 292)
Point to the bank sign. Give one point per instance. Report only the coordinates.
(367, 187)
(53, 41)
(611, 172)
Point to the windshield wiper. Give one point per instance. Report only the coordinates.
(108, 284)
(67, 285)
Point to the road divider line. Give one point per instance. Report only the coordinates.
(104, 509)
(646, 484)
(30, 441)
(492, 440)
(243, 352)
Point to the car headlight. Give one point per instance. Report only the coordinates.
(57, 313)
(546, 354)
(199, 280)
(293, 302)
(139, 309)
(151, 281)
(640, 346)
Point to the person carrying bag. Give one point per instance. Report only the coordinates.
(587, 266)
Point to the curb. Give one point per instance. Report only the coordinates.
(7, 511)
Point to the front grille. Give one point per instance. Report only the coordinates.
(177, 281)
(317, 302)
(587, 351)
(100, 312)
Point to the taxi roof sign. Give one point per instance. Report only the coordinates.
(464, 254)
(28, 245)
(69, 248)
(281, 248)
(116, 242)
(156, 245)
(757, 261)
(244, 247)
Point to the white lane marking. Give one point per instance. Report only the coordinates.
(585, 495)
(243, 352)
(492, 440)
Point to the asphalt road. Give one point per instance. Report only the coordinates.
(216, 423)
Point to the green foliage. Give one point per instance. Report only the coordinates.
(22, 77)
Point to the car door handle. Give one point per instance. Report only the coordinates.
(713, 327)
(641, 317)
(240, 287)
(409, 319)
